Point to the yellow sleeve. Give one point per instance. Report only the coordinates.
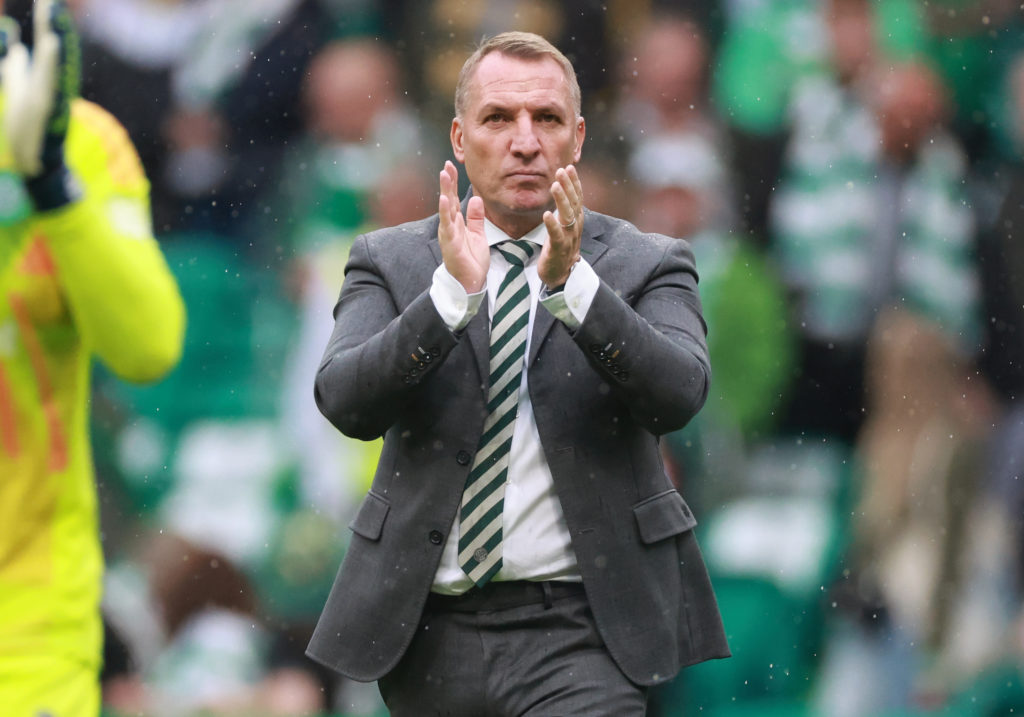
(122, 295)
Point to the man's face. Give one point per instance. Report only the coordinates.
(517, 129)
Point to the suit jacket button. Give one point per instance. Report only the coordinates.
(434, 351)
(406, 379)
(463, 458)
(436, 537)
(623, 375)
(595, 348)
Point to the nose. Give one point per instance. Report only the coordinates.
(524, 138)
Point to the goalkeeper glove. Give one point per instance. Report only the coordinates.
(38, 88)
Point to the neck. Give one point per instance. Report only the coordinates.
(515, 225)
(515, 229)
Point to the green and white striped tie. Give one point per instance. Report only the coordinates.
(483, 498)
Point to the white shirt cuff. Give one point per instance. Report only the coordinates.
(455, 306)
(570, 306)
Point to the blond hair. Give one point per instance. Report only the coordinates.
(524, 45)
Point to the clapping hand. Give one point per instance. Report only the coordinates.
(565, 230)
(38, 88)
(463, 243)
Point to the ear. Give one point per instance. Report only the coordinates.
(581, 133)
(456, 135)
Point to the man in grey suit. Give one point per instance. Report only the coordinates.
(521, 550)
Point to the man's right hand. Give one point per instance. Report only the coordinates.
(463, 243)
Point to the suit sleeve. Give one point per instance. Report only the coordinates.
(652, 348)
(123, 298)
(377, 355)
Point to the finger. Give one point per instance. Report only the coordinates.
(559, 253)
(444, 182)
(452, 182)
(475, 215)
(566, 211)
(452, 172)
(577, 185)
(565, 181)
(569, 180)
(558, 238)
(23, 128)
(45, 68)
(42, 18)
(451, 186)
(15, 76)
(448, 193)
(444, 229)
(552, 225)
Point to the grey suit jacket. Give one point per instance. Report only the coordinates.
(635, 369)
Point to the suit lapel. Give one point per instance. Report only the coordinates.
(590, 249)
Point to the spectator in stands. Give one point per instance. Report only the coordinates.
(358, 169)
(971, 44)
(1002, 361)
(678, 189)
(766, 49)
(871, 210)
(359, 128)
(434, 37)
(213, 659)
(665, 115)
(130, 52)
(1001, 250)
(920, 606)
(235, 110)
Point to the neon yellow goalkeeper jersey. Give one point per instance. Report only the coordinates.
(83, 281)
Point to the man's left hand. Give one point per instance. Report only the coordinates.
(565, 229)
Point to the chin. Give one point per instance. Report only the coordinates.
(531, 203)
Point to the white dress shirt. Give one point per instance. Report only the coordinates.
(535, 538)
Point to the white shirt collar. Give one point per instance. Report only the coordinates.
(538, 235)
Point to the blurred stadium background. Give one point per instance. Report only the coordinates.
(849, 173)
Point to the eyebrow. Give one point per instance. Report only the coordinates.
(547, 108)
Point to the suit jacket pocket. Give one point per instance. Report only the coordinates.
(663, 515)
(369, 520)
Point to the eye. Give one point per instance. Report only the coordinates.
(550, 118)
(494, 118)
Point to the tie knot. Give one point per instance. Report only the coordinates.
(517, 252)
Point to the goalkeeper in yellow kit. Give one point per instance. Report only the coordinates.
(80, 276)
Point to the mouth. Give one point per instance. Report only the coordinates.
(525, 175)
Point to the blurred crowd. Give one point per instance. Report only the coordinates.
(849, 173)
